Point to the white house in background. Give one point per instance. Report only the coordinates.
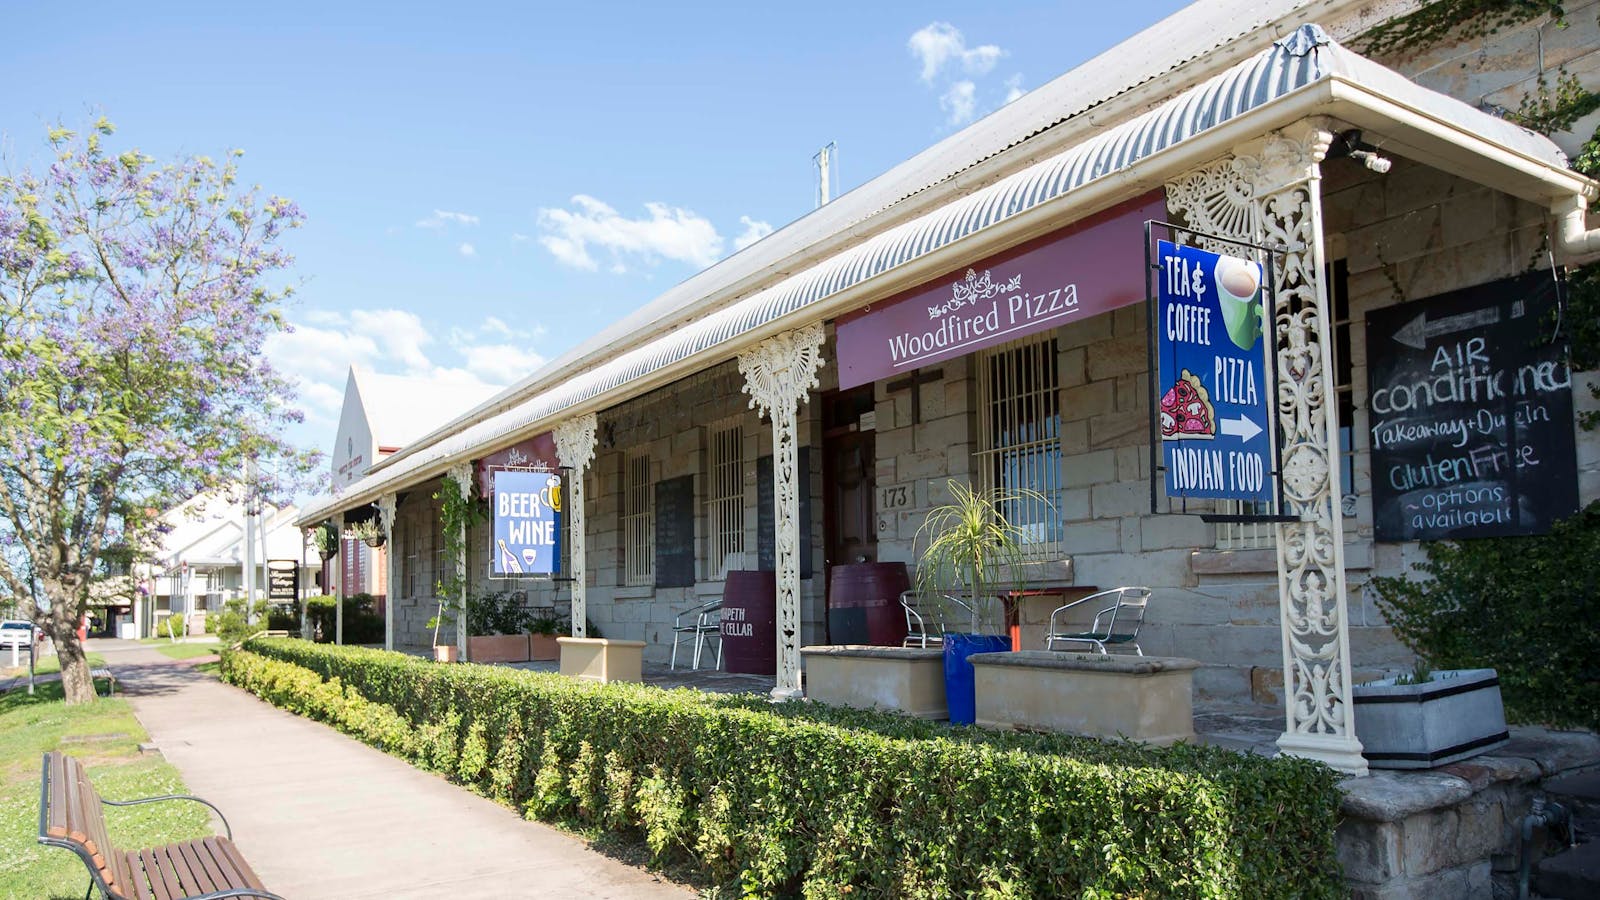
(199, 565)
(381, 414)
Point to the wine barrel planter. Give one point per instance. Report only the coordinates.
(750, 622)
(864, 604)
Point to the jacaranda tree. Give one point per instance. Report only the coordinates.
(135, 298)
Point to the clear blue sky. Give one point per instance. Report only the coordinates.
(437, 148)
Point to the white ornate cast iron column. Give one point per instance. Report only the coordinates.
(386, 505)
(1269, 192)
(461, 474)
(575, 447)
(778, 375)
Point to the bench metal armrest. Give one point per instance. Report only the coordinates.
(236, 892)
(226, 827)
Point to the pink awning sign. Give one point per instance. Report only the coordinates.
(537, 452)
(1092, 266)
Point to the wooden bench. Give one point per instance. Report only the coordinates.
(71, 815)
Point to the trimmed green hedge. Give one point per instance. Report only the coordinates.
(804, 799)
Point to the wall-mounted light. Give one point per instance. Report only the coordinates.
(1349, 143)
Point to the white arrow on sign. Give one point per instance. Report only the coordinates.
(1241, 427)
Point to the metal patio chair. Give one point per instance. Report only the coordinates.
(698, 624)
(925, 626)
(1121, 620)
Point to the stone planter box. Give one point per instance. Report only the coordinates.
(542, 647)
(1454, 715)
(601, 659)
(1143, 698)
(905, 679)
(498, 648)
(445, 653)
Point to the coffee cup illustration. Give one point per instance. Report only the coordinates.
(1239, 294)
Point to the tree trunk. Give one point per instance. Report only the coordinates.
(75, 681)
(61, 625)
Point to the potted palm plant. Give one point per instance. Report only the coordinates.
(969, 549)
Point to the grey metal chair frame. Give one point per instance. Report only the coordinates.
(1135, 600)
(917, 633)
(705, 624)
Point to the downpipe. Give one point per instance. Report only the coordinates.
(1573, 237)
(1545, 814)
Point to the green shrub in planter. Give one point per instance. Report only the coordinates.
(1523, 606)
(802, 799)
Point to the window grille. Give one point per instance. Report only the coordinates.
(436, 535)
(725, 506)
(638, 521)
(1019, 437)
(410, 555)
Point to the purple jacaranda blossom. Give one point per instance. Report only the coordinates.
(136, 298)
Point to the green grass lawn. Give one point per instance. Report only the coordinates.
(188, 651)
(106, 736)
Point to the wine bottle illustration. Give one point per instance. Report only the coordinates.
(508, 560)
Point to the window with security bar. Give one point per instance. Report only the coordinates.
(410, 554)
(638, 521)
(725, 506)
(1019, 437)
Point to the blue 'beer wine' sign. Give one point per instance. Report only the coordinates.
(1212, 375)
(527, 523)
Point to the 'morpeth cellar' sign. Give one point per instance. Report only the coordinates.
(1089, 267)
(1470, 409)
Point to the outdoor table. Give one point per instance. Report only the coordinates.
(1013, 600)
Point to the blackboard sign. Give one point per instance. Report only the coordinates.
(1470, 409)
(283, 580)
(675, 532)
(766, 536)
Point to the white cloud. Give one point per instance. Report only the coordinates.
(399, 335)
(754, 230)
(501, 363)
(518, 237)
(443, 217)
(959, 102)
(939, 44)
(667, 232)
(1014, 88)
(468, 250)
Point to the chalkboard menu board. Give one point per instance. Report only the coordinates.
(675, 532)
(766, 537)
(1470, 409)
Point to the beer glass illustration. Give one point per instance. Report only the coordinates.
(1238, 284)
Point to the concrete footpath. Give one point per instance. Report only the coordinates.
(320, 815)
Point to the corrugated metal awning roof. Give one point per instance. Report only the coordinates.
(1305, 58)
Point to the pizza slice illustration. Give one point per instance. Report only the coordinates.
(1186, 411)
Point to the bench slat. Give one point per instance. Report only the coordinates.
(149, 874)
(74, 790)
(247, 875)
(93, 826)
(58, 795)
(138, 887)
(162, 859)
(204, 868)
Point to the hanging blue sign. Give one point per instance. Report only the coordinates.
(527, 524)
(1212, 375)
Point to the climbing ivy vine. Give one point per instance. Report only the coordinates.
(1465, 19)
(458, 512)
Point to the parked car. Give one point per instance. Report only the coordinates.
(15, 632)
